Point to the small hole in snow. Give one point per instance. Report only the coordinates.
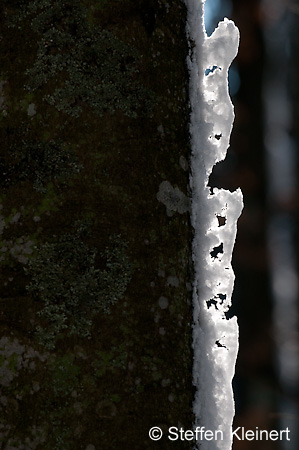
(212, 302)
(218, 299)
(221, 221)
(218, 343)
(222, 297)
(210, 70)
(218, 136)
(216, 251)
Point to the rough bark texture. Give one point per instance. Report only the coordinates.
(95, 344)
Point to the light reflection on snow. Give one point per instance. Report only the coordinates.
(215, 337)
(216, 10)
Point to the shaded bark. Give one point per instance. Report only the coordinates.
(94, 205)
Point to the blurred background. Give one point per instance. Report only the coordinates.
(262, 160)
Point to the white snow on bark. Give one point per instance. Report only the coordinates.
(214, 218)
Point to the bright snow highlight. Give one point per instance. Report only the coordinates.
(214, 218)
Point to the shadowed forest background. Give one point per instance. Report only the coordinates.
(95, 250)
(263, 161)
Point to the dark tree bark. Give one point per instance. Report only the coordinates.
(95, 245)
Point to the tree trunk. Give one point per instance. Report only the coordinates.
(95, 246)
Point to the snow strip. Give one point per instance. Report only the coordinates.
(214, 217)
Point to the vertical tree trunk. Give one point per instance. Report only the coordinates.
(95, 344)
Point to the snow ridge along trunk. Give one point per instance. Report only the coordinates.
(214, 218)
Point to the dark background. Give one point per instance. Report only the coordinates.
(266, 393)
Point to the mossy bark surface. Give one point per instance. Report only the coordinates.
(95, 345)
